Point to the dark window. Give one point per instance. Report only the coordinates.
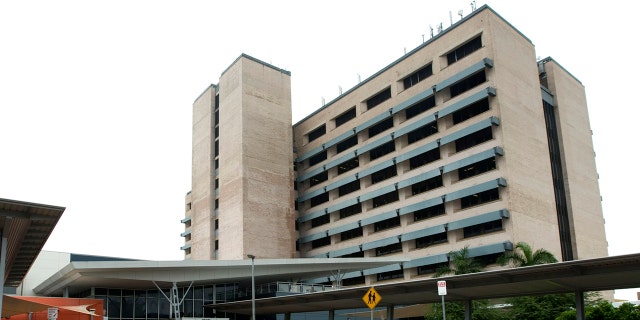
(379, 98)
(385, 198)
(347, 143)
(321, 198)
(381, 126)
(318, 178)
(392, 248)
(318, 158)
(431, 240)
(382, 150)
(359, 254)
(424, 158)
(321, 242)
(479, 198)
(420, 107)
(349, 187)
(216, 148)
(386, 224)
(323, 219)
(216, 132)
(317, 133)
(353, 233)
(478, 229)
(397, 274)
(488, 259)
(471, 111)
(216, 117)
(384, 174)
(474, 139)
(477, 168)
(346, 116)
(464, 50)
(430, 212)
(468, 83)
(426, 185)
(431, 268)
(348, 165)
(422, 132)
(350, 210)
(353, 281)
(418, 76)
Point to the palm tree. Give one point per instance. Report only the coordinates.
(526, 256)
(459, 263)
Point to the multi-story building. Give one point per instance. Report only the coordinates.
(466, 141)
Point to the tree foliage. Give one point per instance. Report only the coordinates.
(604, 310)
(523, 255)
(460, 263)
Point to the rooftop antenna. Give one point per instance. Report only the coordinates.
(473, 5)
(340, 90)
(422, 38)
(460, 13)
(450, 18)
(359, 80)
(431, 29)
(322, 101)
(440, 27)
(405, 50)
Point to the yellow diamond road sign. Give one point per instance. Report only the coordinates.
(371, 298)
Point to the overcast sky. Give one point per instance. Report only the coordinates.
(95, 96)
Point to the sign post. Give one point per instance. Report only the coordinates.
(442, 291)
(371, 299)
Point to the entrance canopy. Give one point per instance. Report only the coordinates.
(608, 273)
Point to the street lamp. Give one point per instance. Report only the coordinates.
(253, 288)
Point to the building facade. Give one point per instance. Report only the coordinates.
(466, 141)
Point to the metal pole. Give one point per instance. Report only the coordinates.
(444, 313)
(371, 314)
(253, 288)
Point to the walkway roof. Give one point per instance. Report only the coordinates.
(608, 273)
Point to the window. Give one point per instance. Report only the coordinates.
(384, 174)
(382, 150)
(420, 107)
(317, 133)
(350, 210)
(392, 248)
(422, 132)
(397, 274)
(216, 117)
(346, 116)
(468, 83)
(323, 219)
(478, 229)
(347, 143)
(471, 111)
(385, 198)
(353, 233)
(474, 139)
(353, 281)
(379, 98)
(417, 76)
(386, 224)
(477, 168)
(321, 198)
(430, 212)
(349, 187)
(431, 240)
(426, 185)
(318, 158)
(348, 165)
(424, 158)
(318, 178)
(431, 268)
(321, 242)
(216, 148)
(381, 126)
(488, 259)
(464, 50)
(479, 198)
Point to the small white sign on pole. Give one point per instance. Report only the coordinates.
(442, 288)
(52, 313)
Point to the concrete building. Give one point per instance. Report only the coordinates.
(465, 141)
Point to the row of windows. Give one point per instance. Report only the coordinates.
(422, 242)
(414, 162)
(409, 81)
(427, 213)
(416, 135)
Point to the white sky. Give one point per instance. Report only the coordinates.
(95, 96)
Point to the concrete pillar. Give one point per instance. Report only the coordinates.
(579, 305)
(332, 314)
(468, 309)
(390, 309)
